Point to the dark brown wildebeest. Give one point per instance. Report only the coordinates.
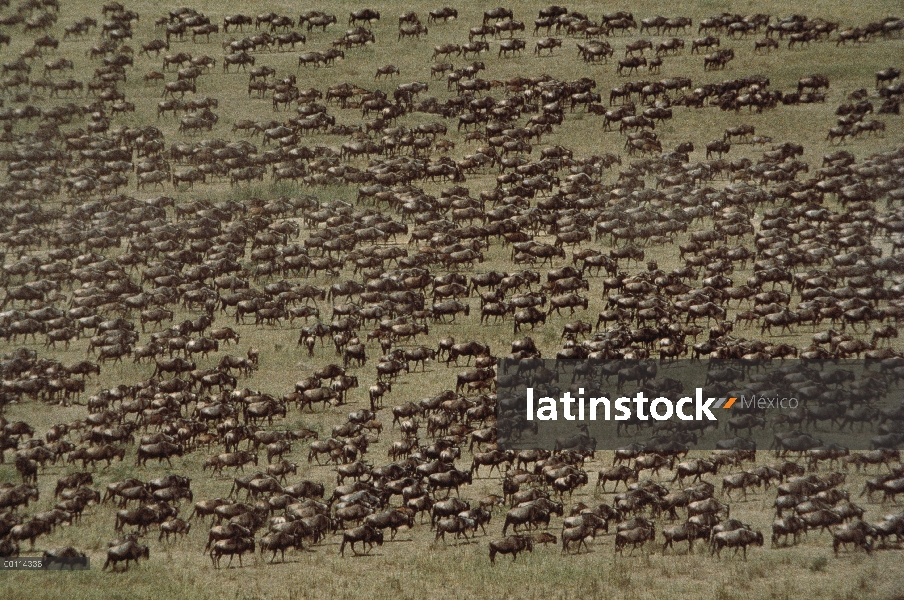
(231, 546)
(739, 481)
(464, 378)
(128, 551)
(886, 75)
(412, 30)
(708, 506)
(236, 21)
(822, 519)
(444, 13)
(494, 458)
(814, 82)
(637, 536)
(767, 43)
(638, 46)
(387, 70)
(782, 528)
(893, 487)
(688, 532)
(367, 15)
(143, 516)
(497, 14)
(530, 315)
(719, 147)
(857, 533)
(225, 532)
(450, 480)
(513, 544)
(366, 534)
(739, 538)
(718, 59)
(451, 307)
(28, 469)
(654, 462)
(323, 447)
(392, 519)
(468, 349)
(577, 534)
(447, 508)
(237, 460)
(161, 451)
(528, 515)
(616, 474)
(547, 44)
(457, 524)
(175, 527)
(514, 46)
(74, 481)
(632, 63)
(279, 542)
(29, 530)
(706, 42)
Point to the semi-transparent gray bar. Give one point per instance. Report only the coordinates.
(791, 406)
(38, 563)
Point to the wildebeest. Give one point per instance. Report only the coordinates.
(125, 552)
(547, 44)
(637, 536)
(528, 516)
(279, 542)
(688, 532)
(512, 544)
(391, 519)
(161, 451)
(719, 147)
(739, 538)
(813, 82)
(632, 63)
(618, 473)
(446, 13)
(366, 534)
(231, 547)
(497, 14)
(449, 480)
(513, 45)
(29, 530)
(577, 534)
(457, 524)
(368, 15)
(173, 526)
(782, 528)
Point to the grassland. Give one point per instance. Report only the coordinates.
(413, 566)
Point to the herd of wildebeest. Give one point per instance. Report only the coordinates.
(168, 283)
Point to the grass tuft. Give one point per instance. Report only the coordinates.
(819, 564)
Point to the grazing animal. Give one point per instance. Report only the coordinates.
(366, 534)
(513, 544)
(737, 539)
(127, 552)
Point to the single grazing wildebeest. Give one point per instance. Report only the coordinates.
(513, 544)
(129, 551)
(739, 538)
(366, 534)
(231, 546)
